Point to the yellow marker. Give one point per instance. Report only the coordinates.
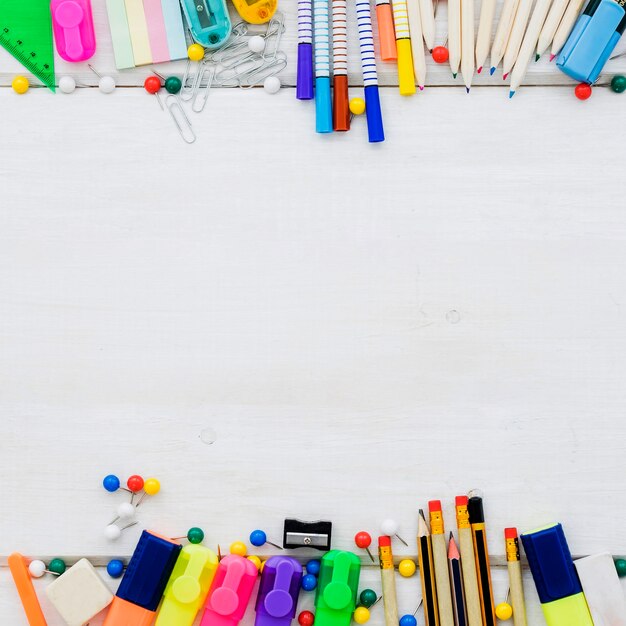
(256, 11)
(406, 75)
(188, 586)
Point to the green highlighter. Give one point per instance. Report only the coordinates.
(337, 588)
(559, 589)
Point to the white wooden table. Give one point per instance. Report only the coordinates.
(363, 327)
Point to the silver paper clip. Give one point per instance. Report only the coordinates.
(189, 82)
(275, 30)
(200, 92)
(271, 68)
(185, 130)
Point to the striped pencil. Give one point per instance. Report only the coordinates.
(406, 75)
(386, 31)
(341, 108)
(321, 37)
(370, 76)
(304, 84)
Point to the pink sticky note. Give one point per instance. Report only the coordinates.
(156, 30)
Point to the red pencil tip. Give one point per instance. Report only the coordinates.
(552, 57)
(504, 76)
(480, 69)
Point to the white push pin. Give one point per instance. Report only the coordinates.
(271, 84)
(256, 44)
(125, 511)
(67, 84)
(390, 527)
(37, 568)
(113, 532)
(106, 84)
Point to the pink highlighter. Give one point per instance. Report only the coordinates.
(230, 591)
(72, 22)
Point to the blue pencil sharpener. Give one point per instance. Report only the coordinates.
(592, 40)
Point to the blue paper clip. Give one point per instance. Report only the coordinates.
(208, 21)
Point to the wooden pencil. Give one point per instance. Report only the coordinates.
(454, 35)
(515, 39)
(468, 563)
(485, 26)
(388, 580)
(555, 15)
(427, 573)
(566, 26)
(440, 561)
(456, 582)
(515, 577)
(503, 32)
(427, 13)
(417, 42)
(468, 48)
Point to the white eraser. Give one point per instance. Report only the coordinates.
(602, 589)
(79, 594)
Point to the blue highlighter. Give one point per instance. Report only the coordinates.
(592, 40)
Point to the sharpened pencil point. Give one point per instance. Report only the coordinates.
(480, 69)
(421, 87)
(537, 57)
(504, 76)
(491, 71)
(467, 89)
(454, 75)
(451, 535)
(511, 94)
(552, 57)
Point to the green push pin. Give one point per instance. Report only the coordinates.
(57, 566)
(173, 85)
(618, 85)
(368, 597)
(195, 535)
(620, 564)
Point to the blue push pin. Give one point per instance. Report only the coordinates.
(309, 582)
(313, 567)
(409, 620)
(115, 568)
(258, 538)
(112, 483)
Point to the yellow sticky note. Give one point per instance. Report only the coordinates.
(138, 29)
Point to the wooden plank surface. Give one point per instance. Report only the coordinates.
(361, 327)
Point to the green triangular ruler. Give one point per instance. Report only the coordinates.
(26, 33)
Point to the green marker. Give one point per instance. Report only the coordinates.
(337, 588)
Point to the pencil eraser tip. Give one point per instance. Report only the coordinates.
(510, 533)
(384, 541)
(461, 500)
(434, 506)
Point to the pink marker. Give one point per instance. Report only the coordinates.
(230, 591)
(72, 22)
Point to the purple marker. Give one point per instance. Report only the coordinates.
(277, 600)
(304, 84)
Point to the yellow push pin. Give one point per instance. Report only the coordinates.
(256, 560)
(406, 568)
(361, 615)
(20, 85)
(238, 547)
(357, 106)
(504, 610)
(195, 52)
(262, 567)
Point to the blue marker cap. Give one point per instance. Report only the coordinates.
(374, 115)
(148, 571)
(592, 41)
(304, 83)
(551, 563)
(323, 106)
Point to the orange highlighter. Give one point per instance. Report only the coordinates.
(144, 581)
(386, 31)
(24, 584)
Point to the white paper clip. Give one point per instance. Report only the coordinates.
(180, 118)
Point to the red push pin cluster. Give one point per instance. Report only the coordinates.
(363, 540)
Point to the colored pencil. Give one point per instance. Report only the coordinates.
(483, 568)
(515, 577)
(485, 27)
(417, 42)
(555, 15)
(341, 108)
(566, 26)
(368, 68)
(503, 32)
(468, 47)
(456, 582)
(304, 83)
(468, 563)
(529, 44)
(388, 581)
(386, 31)
(440, 561)
(427, 573)
(406, 74)
(516, 36)
(321, 36)
(454, 35)
(427, 14)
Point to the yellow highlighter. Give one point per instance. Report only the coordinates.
(188, 586)
(406, 75)
(256, 11)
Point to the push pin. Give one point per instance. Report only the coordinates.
(306, 618)
(620, 566)
(67, 84)
(115, 568)
(239, 548)
(309, 582)
(20, 85)
(363, 540)
(124, 511)
(390, 527)
(256, 560)
(112, 483)
(172, 84)
(258, 538)
(313, 567)
(194, 535)
(256, 44)
(504, 610)
(135, 485)
(368, 598)
(113, 532)
(106, 84)
(406, 568)
(38, 568)
(151, 487)
(363, 613)
(408, 619)
(152, 85)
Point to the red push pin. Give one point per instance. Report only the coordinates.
(152, 85)
(583, 91)
(306, 618)
(440, 54)
(135, 485)
(363, 540)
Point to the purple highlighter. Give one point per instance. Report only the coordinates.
(277, 600)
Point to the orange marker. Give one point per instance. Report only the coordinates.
(24, 584)
(386, 31)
